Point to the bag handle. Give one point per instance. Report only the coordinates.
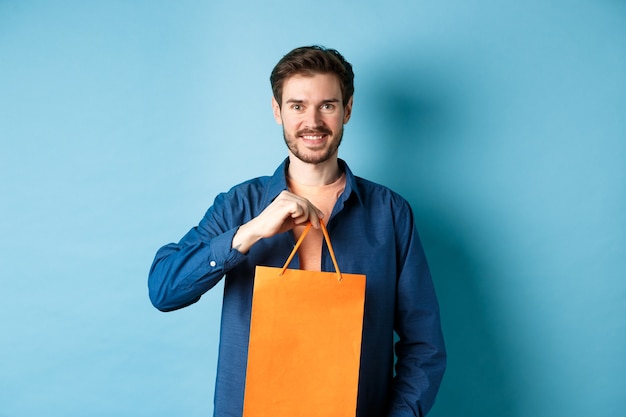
(330, 249)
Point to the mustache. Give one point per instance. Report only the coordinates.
(317, 131)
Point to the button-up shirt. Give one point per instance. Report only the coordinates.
(373, 233)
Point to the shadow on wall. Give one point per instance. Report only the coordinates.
(418, 122)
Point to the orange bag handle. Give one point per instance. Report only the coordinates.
(330, 248)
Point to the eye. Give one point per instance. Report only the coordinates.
(327, 107)
(296, 107)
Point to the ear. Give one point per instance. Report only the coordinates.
(347, 110)
(276, 110)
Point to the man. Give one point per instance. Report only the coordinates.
(371, 229)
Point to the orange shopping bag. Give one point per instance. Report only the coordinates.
(305, 341)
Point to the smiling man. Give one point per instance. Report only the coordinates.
(314, 116)
(372, 231)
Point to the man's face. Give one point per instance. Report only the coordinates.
(312, 115)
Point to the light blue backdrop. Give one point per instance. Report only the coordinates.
(502, 122)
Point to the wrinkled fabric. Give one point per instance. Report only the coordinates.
(373, 233)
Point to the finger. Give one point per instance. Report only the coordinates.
(300, 220)
(297, 211)
(314, 217)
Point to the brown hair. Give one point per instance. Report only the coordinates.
(309, 60)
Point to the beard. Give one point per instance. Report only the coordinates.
(313, 157)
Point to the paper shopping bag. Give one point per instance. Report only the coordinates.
(305, 341)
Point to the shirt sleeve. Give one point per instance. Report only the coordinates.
(420, 349)
(181, 272)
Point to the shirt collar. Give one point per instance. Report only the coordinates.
(278, 183)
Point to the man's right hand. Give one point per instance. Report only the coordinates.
(284, 213)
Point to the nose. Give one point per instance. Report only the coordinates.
(312, 118)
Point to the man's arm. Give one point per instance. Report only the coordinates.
(283, 214)
(420, 350)
(182, 272)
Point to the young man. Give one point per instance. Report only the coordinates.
(371, 229)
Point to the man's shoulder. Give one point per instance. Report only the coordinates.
(262, 182)
(256, 182)
(250, 187)
(371, 190)
(240, 200)
(255, 192)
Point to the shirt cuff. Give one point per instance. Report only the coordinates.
(222, 255)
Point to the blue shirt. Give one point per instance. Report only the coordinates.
(373, 233)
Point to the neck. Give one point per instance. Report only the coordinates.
(313, 174)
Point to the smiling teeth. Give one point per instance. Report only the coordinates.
(312, 137)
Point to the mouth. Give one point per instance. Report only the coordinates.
(314, 137)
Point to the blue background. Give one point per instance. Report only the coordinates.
(502, 122)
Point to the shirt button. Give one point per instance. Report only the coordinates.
(212, 263)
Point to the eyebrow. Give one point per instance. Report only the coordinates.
(298, 101)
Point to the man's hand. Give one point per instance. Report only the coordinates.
(284, 213)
